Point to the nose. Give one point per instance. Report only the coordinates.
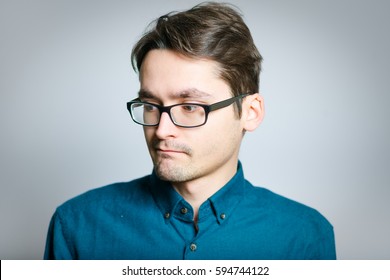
(166, 128)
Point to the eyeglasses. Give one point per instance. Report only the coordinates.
(183, 115)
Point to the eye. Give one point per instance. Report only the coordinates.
(190, 108)
(149, 108)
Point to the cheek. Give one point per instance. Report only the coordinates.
(218, 138)
(148, 133)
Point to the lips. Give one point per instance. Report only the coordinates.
(171, 148)
(169, 151)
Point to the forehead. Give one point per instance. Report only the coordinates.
(165, 72)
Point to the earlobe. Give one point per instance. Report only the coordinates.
(254, 111)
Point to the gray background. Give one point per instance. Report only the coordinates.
(65, 78)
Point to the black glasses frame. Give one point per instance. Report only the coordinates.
(167, 109)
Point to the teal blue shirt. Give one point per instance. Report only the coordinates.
(147, 219)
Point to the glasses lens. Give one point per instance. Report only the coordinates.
(145, 114)
(188, 115)
(185, 115)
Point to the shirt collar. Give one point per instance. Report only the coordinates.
(221, 204)
(228, 197)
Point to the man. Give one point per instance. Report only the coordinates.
(199, 94)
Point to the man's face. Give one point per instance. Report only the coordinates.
(188, 154)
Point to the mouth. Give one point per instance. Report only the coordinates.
(171, 151)
(168, 151)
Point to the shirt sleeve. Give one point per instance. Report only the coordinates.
(327, 246)
(323, 245)
(57, 247)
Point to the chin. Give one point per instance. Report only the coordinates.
(171, 173)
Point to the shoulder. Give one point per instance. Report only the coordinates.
(113, 194)
(284, 209)
(304, 231)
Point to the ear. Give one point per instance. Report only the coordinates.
(252, 111)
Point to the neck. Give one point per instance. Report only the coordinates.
(198, 190)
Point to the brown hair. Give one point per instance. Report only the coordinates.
(212, 31)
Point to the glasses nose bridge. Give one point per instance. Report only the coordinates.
(166, 109)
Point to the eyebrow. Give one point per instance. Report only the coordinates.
(184, 94)
(142, 93)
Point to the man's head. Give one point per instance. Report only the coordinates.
(210, 31)
(201, 56)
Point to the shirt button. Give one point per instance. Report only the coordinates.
(184, 210)
(167, 215)
(193, 247)
(223, 216)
